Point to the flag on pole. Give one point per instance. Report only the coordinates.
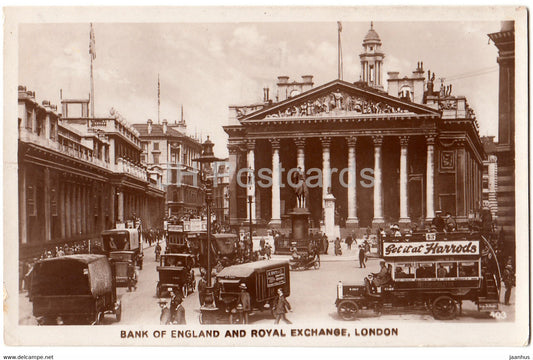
(92, 43)
(340, 26)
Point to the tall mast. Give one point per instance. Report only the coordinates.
(339, 50)
(158, 98)
(92, 53)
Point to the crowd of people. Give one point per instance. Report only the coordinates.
(152, 236)
(81, 247)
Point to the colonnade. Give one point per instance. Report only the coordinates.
(352, 219)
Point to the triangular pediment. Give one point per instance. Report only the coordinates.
(338, 98)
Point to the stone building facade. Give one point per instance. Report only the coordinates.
(167, 148)
(78, 175)
(504, 40)
(395, 156)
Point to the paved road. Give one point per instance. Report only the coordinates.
(313, 294)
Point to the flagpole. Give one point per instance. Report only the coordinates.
(92, 54)
(158, 98)
(339, 50)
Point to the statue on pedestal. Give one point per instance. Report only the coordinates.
(300, 188)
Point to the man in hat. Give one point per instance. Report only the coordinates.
(451, 224)
(438, 221)
(281, 306)
(362, 257)
(383, 277)
(177, 311)
(245, 301)
(202, 288)
(509, 282)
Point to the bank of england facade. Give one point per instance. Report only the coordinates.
(394, 156)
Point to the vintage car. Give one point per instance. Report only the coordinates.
(175, 272)
(74, 289)
(303, 259)
(427, 271)
(262, 279)
(123, 240)
(123, 263)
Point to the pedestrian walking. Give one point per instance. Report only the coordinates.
(338, 250)
(349, 241)
(509, 282)
(246, 302)
(325, 243)
(202, 289)
(362, 257)
(281, 307)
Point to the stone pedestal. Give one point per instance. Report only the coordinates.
(330, 229)
(300, 225)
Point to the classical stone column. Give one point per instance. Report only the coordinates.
(68, 209)
(120, 214)
(326, 170)
(404, 200)
(352, 183)
(250, 146)
(430, 177)
(276, 200)
(47, 213)
(23, 213)
(378, 181)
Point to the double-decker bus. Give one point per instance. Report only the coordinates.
(427, 271)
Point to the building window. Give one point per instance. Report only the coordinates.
(174, 176)
(31, 208)
(156, 158)
(29, 119)
(52, 130)
(143, 158)
(175, 196)
(156, 146)
(144, 146)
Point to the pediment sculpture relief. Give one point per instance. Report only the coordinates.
(337, 102)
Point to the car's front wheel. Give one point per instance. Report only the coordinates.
(347, 309)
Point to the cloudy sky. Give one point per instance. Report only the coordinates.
(206, 67)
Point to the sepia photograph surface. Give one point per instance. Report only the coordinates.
(310, 176)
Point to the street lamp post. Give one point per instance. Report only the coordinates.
(208, 157)
(250, 199)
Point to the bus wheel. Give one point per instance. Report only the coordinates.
(347, 309)
(444, 308)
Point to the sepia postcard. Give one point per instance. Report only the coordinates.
(266, 176)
